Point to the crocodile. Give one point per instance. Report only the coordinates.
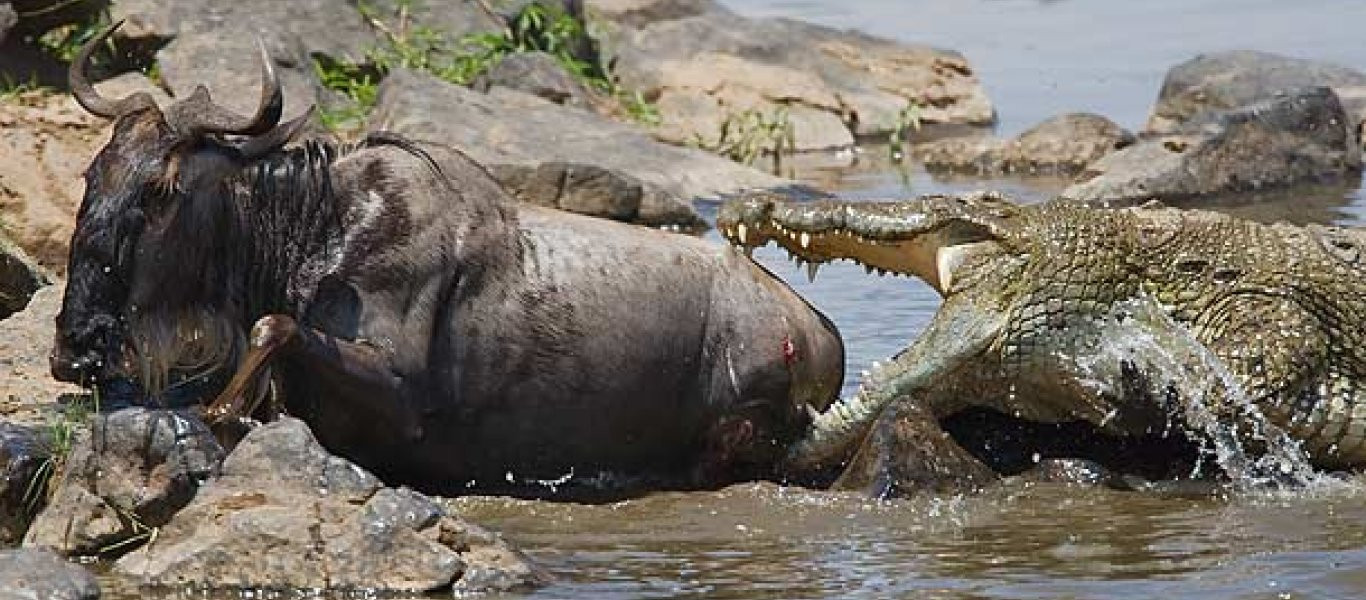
(1240, 336)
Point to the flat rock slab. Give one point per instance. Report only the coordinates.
(1301, 136)
(29, 574)
(285, 514)
(705, 63)
(1213, 83)
(505, 127)
(1062, 145)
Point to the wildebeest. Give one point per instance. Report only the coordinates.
(425, 324)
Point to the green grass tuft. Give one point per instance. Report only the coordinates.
(460, 60)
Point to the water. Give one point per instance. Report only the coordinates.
(1019, 541)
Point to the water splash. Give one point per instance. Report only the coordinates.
(1213, 406)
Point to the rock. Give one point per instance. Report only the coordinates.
(721, 64)
(505, 127)
(25, 454)
(214, 44)
(1212, 83)
(538, 74)
(26, 387)
(7, 19)
(46, 142)
(285, 514)
(28, 574)
(20, 277)
(39, 16)
(1062, 145)
(1297, 137)
(598, 192)
(128, 472)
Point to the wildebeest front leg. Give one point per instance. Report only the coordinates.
(357, 368)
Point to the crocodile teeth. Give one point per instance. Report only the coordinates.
(740, 232)
(811, 269)
(806, 240)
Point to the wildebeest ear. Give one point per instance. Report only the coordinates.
(275, 138)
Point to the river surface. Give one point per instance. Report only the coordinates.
(1036, 59)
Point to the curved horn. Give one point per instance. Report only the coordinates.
(267, 142)
(198, 114)
(85, 93)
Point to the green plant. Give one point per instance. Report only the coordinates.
(749, 134)
(537, 28)
(63, 43)
(141, 532)
(71, 415)
(907, 121)
(358, 85)
(11, 88)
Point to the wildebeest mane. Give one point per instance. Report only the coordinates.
(253, 245)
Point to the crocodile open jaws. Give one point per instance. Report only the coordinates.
(1239, 342)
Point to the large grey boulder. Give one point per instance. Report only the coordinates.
(506, 127)
(285, 514)
(598, 192)
(214, 43)
(1212, 83)
(1062, 145)
(127, 473)
(538, 74)
(1300, 136)
(30, 574)
(20, 277)
(704, 62)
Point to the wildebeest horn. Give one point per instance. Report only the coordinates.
(85, 93)
(279, 136)
(198, 114)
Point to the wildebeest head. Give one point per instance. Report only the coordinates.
(152, 228)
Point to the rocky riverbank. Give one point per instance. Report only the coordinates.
(651, 107)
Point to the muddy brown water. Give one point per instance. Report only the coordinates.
(1025, 541)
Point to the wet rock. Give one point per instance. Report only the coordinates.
(598, 192)
(906, 452)
(1062, 145)
(705, 63)
(25, 454)
(506, 127)
(1213, 83)
(286, 514)
(1072, 471)
(127, 472)
(20, 277)
(538, 74)
(29, 574)
(1300, 136)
